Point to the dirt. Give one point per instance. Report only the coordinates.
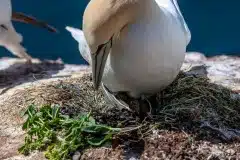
(168, 145)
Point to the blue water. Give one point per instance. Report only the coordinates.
(214, 26)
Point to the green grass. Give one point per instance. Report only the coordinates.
(59, 135)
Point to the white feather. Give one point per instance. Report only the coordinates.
(149, 54)
(9, 38)
(78, 35)
(5, 11)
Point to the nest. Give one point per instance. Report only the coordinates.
(190, 103)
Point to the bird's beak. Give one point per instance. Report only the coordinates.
(20, 17)
(98, 63)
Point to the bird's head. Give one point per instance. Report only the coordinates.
(101, 21)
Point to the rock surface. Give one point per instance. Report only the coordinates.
(223, 70)
(16, 75)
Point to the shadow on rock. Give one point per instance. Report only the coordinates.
(19, 73)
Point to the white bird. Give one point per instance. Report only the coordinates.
(143, 43)
(9, 38)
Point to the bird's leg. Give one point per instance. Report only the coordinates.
(145, 107)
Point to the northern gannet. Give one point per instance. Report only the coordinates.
(134, 46)
(9, 38)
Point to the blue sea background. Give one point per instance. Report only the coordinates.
(214, 26)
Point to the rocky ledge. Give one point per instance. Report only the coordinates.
(17, 77)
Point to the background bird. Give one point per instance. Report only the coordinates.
(9, 38)
(142, 43)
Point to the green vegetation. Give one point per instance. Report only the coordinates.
(47, 129)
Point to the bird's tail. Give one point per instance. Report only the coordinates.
(11, 40)
(77, 34)
(84, 49)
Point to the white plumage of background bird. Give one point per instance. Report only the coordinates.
(9, 38)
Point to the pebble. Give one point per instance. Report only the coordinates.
(76, 156)
(230, 152)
